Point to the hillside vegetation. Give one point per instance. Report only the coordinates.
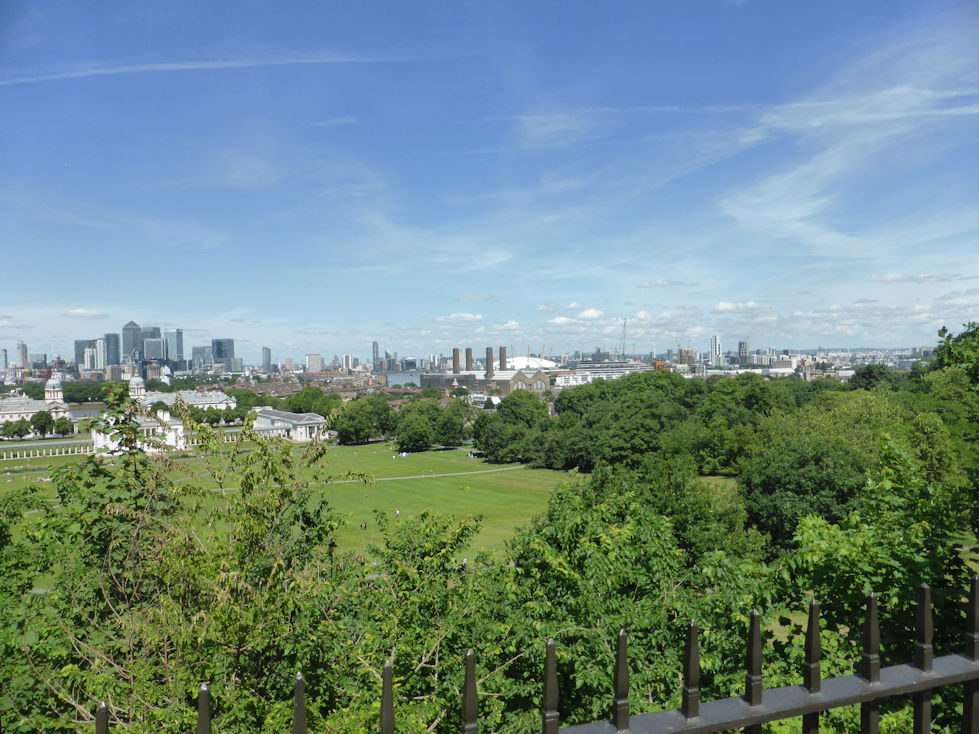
(156, 586)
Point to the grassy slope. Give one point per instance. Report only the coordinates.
(507, 499)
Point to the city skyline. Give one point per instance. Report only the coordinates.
(317, 178)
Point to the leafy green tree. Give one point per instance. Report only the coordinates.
(460, 392)
(356, 425)
(302, 402)
(63, 426)
(522, 407)
(158, 406)
(16, 429)
(42, 422)
(960, 350)
(430, 392)
(414, 433)
(449, 429)
(869, 376)
(33, 390)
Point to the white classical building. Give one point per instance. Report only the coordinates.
(160, 432)
(202, 399)
(293, 426)
(20, 406)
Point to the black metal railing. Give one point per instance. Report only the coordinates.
(748, 712)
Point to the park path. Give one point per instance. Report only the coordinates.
(432, 476)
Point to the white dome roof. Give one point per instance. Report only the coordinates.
(135, 381)
(533, 363)
(52, 383)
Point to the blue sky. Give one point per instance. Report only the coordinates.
(314, 176)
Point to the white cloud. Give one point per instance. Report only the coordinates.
(745, 307)
(336, 121)
(590, 313)
(473, 297)
(574, 305)
(461, 317)
(661, 283)
(84, 313)
(921, 278)
(561, 321)
(549, 306)
(510, 325)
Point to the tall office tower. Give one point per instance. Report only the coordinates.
(21, 354)
(155, 348)
(175, 344)
(100, 354)
(715, 350)
(267, 360)
(314, 363)
(113, 354)
(686, 355)
(289, 364)
(223, 352)
(132, 343)
(201, 358)
(80, 346)
(150, 332)
(347, 363)
(743, 352)
(88, 359)
(375, 353)
(3, 360)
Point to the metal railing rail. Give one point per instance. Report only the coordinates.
(748, 712)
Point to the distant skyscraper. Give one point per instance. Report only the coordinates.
(150, 332)
(266, 360)
(375, 353)
(155, 348)
(113, 355)
(743, 351)
(314, 363)
(201, 358)
(715, 350)
(347, 362)
(132, 342)
(175, 344)
(21, 354)
(223, 352)
(80, 346)
(3, 360)
(100, 354)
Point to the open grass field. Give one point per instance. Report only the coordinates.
(447, 482)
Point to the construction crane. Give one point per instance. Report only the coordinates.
(622, 349)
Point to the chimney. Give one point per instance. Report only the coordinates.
(502, 358)
(489, 362)
(455, 361)
(469, 359)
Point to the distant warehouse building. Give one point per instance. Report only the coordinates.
(299, 427)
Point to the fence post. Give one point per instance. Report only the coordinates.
(923, 656)
(870, 666)
(970, 709)
(204, 710)
(812, 672)
(102, 719)
(550, 717)
(299, 706)
(470, 713)
(753, 687)
(387, 700)
(691, 674)
(620, 701)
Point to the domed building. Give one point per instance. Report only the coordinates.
(202, 398)
(21, 406)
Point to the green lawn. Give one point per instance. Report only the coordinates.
(448, 482)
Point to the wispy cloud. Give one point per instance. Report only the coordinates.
(549, 306)
(102, 69)
(746, 306)
(84, 313)
(474, 297)
(661, 283)
(460, 318)
(921, 278)
(336, 121)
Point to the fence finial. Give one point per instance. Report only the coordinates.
(387, 699)
(550, 716)
(924, 630)
(204, 709)
(812, 672)
(620, 701)
(690, 705)
(470, 714)
(970, 708)
(299, 705)
(102, 718)
(753, 679)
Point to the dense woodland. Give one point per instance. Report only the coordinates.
(840, 489)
